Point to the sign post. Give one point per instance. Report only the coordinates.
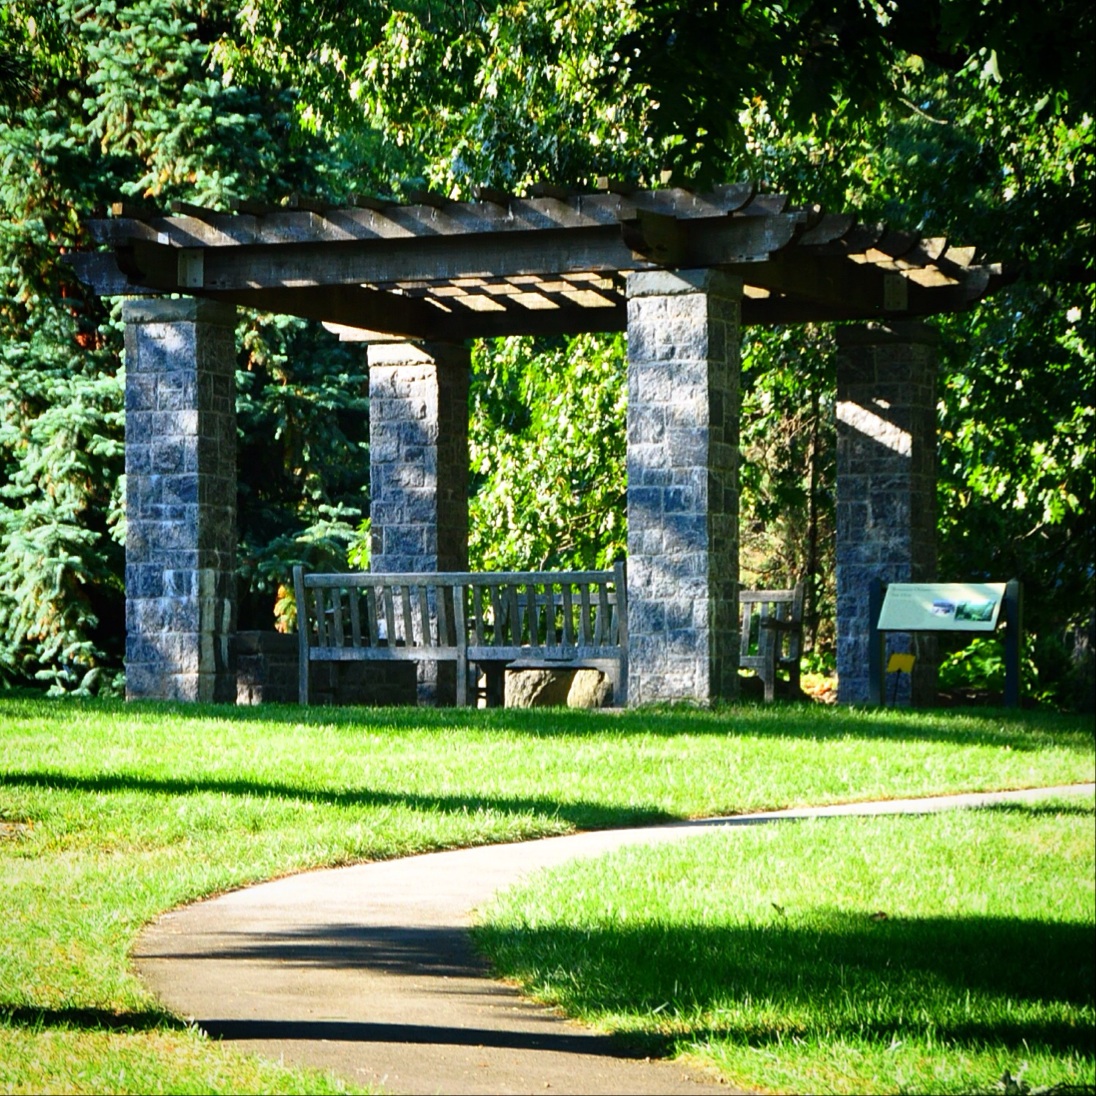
(946, 607)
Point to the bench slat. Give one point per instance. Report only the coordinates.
(408, 636)
(320, 611)
(461, 637)
(387, 598)
(445, 637)
(498, 614)
(478, 601)
(371, 616)
(382, 654)
(515, 614)
(565, 656)
(532, 612)
(602, 614)
(337, 617)
(425, 631)
(585, 633)
(355, 617)
(568, 615)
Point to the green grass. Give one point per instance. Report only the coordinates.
(117, 813)
(897, 954)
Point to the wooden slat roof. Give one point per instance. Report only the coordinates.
(548, 263)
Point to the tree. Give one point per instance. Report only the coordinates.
(547, 449)
(120, 99)
(968, 119)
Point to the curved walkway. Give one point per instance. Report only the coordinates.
(368, 971)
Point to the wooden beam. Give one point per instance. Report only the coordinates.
(387, 314)
(440, 258)
(349, 305)
(843, 287)
(376, 219)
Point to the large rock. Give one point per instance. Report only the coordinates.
(538, 688)
(590, 689)
(557, 689)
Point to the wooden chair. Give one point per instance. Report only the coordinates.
(771, 639)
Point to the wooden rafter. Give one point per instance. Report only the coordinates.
(550, 263)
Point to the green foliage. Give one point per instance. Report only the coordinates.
(303, 457)
(979, 664)
(122, 99)
(788, 468)
(458, 94)
(546, 448)
(830, 70)
(963, 120)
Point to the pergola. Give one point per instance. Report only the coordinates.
(680, 271)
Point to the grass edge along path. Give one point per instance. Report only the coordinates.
(117, 813)
(921, 953)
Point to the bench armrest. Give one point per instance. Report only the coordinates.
(782, 625)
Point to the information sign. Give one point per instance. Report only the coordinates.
(941, 607)
(945, 607)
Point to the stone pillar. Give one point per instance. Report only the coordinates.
(886, 492)
(418, 470)
(683, 422)
(180, 499)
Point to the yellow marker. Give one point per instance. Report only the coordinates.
(900, 662)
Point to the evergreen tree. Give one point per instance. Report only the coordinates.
(122, 99)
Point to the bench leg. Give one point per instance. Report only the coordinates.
(462, 681)
(495, 675)
(770, 684)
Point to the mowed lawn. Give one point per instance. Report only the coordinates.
(111, 814)
(929, 953)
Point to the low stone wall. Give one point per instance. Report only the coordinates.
(266, 668)
(266, 673)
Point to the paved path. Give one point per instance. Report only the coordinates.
(367, 971)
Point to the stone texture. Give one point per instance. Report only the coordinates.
(266, 668)
(538, 688)
(886, 492)
(180, 500)
(583, 688)
(590, 689)
(683, 410)
(418, 453)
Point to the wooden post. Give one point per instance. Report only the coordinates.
(1014, 640)
(876, 643)
(302, 634)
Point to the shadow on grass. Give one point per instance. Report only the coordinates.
(550, 1039)
(89, 1019)
(1056, 808)
(1001, 728)
(972, 981)
(580, 814)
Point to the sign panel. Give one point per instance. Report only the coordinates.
(941, 607)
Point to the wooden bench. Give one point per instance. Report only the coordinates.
(771, 637)
(517, 619)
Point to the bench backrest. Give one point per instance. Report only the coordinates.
(362, 611)
(509, 614)
(784, 606)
